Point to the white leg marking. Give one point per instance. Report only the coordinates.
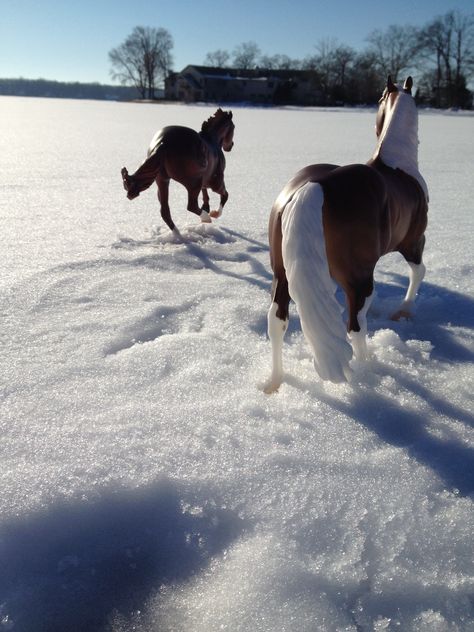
(359, 344)
(416, 276)
(205, 217)
(359, 338)
(276, 332)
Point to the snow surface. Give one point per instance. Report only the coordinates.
(148, 483)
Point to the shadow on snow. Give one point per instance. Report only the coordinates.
(73, 566)
(439, 309)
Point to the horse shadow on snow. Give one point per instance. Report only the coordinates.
(438, 309)
(196, 238)
(74, 566)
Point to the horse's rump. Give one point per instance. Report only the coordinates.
(355, 213)
(312, 173)
(356, 220)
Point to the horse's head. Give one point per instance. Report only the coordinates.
(388, 100)
(220, 127)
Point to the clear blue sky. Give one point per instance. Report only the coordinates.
(70, 40)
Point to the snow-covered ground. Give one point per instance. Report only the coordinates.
(147, 482)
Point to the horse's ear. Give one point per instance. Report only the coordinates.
(408, 85)
(391, 87)
(230, 114)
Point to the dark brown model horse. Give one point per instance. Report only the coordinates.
(332, 224)
(195, 159)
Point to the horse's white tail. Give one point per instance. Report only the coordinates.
(310, 285)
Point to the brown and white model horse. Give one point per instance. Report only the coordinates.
(195, 159)
(330, 225)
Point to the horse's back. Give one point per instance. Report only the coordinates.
(347, 187)
(175, 138)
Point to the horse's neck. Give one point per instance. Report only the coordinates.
(211, 137)
(398, 143)
(214, 151)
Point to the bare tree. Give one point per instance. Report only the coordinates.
(246, 55)
(331, 67)
(324, 61)
(343, 58)
(279, 62)
(366, 81)
(217, 59)
(447, 46)
(463, 49)
(395, 49)
(143, 60)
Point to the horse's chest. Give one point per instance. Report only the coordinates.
(214, 172)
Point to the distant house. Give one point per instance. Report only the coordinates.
(234, 85)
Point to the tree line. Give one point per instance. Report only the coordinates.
(65, 90)
(439, 54)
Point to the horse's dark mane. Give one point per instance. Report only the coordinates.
(216, 120)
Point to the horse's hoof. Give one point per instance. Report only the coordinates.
(270, 390)
(215, 214)
(205, 217)
(124, 174)
(271, 387)
(128, 185)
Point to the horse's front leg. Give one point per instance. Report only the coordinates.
(193, 202)
(224, 197)
(416, 276)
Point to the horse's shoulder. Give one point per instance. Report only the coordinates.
(398, 180)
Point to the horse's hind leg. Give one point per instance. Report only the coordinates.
(359, 298)
(415, 276)
(163, 197)
(277, 322)
(205, 200)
